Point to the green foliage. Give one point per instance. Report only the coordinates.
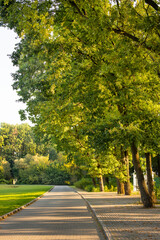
(5, 173)
(18, 157)
(83, 183)
(95, 189)
(3, 181)
(157, 187)
(89, 188)
(53, 154)
(55, 175)
(17, 142)
(40, 170)
(112, 181)
(87, 185)
(89, 74)
(110, 189)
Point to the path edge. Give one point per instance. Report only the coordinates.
(106, 233)
(24, 206)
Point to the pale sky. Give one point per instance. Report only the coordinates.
(8, 106)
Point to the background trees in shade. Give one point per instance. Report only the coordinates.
(40, 170)
(28, 159)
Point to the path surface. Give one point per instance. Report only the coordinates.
(123, 218)
(61, 214)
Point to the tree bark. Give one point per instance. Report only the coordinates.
(101, 183)
(120, 187)
(94, 182)
(149, 175)
(145, 196)
(127, 185)
(158, 165)
(152, 4)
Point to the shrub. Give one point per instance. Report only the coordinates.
(96, 189)
(110, 189)
(106, 188)
(89, 188)
(83, 183)
(112, 182)
(3, 181)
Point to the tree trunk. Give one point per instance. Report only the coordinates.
(125, 162)
(145, 197)
(127, 185)
(94, 182)
(158, 165)
(149, 175)
(101, 183)
(120, 187)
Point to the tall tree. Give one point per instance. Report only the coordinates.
(17, 142)
(95, 58)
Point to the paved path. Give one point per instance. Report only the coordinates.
(123, 218)
(61, 214)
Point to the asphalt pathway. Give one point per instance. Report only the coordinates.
(60, 214)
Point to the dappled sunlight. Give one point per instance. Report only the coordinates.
(58, 215)
(13, 197)
(124, 218)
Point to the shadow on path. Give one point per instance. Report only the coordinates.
(60, 214)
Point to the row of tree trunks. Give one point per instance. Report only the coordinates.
(146, 198)
(147, 195)
(127, 185)
(124, 187)
(120, 187)
(149, 176)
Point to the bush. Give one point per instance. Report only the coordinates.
(106, 188)
(3, 181)
(112, 182)
(96, 189)
(83, 183)
(89, 188)
(110, 189)
(87, 185)
(55, 176)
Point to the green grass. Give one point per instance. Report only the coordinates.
(14, 196)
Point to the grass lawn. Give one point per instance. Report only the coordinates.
(14, 196)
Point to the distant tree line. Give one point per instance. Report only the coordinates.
(28, 160)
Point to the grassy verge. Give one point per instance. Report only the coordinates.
(14, 196)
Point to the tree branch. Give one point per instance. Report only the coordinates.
(121, 32)
(87, 55)
(73, 4)
(152, 4)
(135, 39)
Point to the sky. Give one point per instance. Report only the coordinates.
(9, 106)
